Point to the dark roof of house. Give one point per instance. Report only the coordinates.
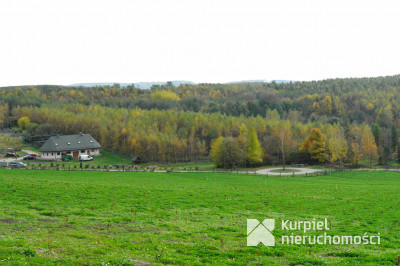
(70, 143)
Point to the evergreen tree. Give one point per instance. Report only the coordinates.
(376, 131)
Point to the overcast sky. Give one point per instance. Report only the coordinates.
(74, 41)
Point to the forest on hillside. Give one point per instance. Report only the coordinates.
(337, 120)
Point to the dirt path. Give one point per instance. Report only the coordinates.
(11, 159)
(267, 171)
(297, 171)
(30, 152)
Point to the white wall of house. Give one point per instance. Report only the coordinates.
(58, 155)
(91, 152)
(51, 155)
(94, 152)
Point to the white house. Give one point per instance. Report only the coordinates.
(57, 146)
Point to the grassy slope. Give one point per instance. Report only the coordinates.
(110, 158)
(106, 158)
(98, 217)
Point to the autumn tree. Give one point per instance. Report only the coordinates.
(3, 112)
(243, 138)
(254, 152)
(215, 152)
(315, 145)
(23, 122)
(31, 128)
(284, 134)
(355, 143)
(231, 153)
(226, 152)
(337, 144)
(133, 145)
(368, 145)
(326, 105)
(164, 95)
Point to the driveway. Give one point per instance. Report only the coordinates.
(12, 159)
(30, 152)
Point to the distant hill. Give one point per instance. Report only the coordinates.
(284, 81)
(147, 85)
(140, 85)
(259, 81)
(247, 81)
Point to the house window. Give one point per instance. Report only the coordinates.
(82, 151)
(92, 150)
(52, 153)
(69, 153)
(58, 153)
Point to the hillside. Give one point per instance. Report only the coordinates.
(179, 123)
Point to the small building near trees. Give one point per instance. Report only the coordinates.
(74, 145)
(136, 160)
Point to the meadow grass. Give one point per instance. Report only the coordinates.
(123, 218)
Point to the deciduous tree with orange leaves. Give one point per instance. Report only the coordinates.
(315, 145)
(368, 145)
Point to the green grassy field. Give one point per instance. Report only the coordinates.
(123, 218)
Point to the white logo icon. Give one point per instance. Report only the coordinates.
(260, 232)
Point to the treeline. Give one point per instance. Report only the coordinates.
(173, 136)
(370, 100)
